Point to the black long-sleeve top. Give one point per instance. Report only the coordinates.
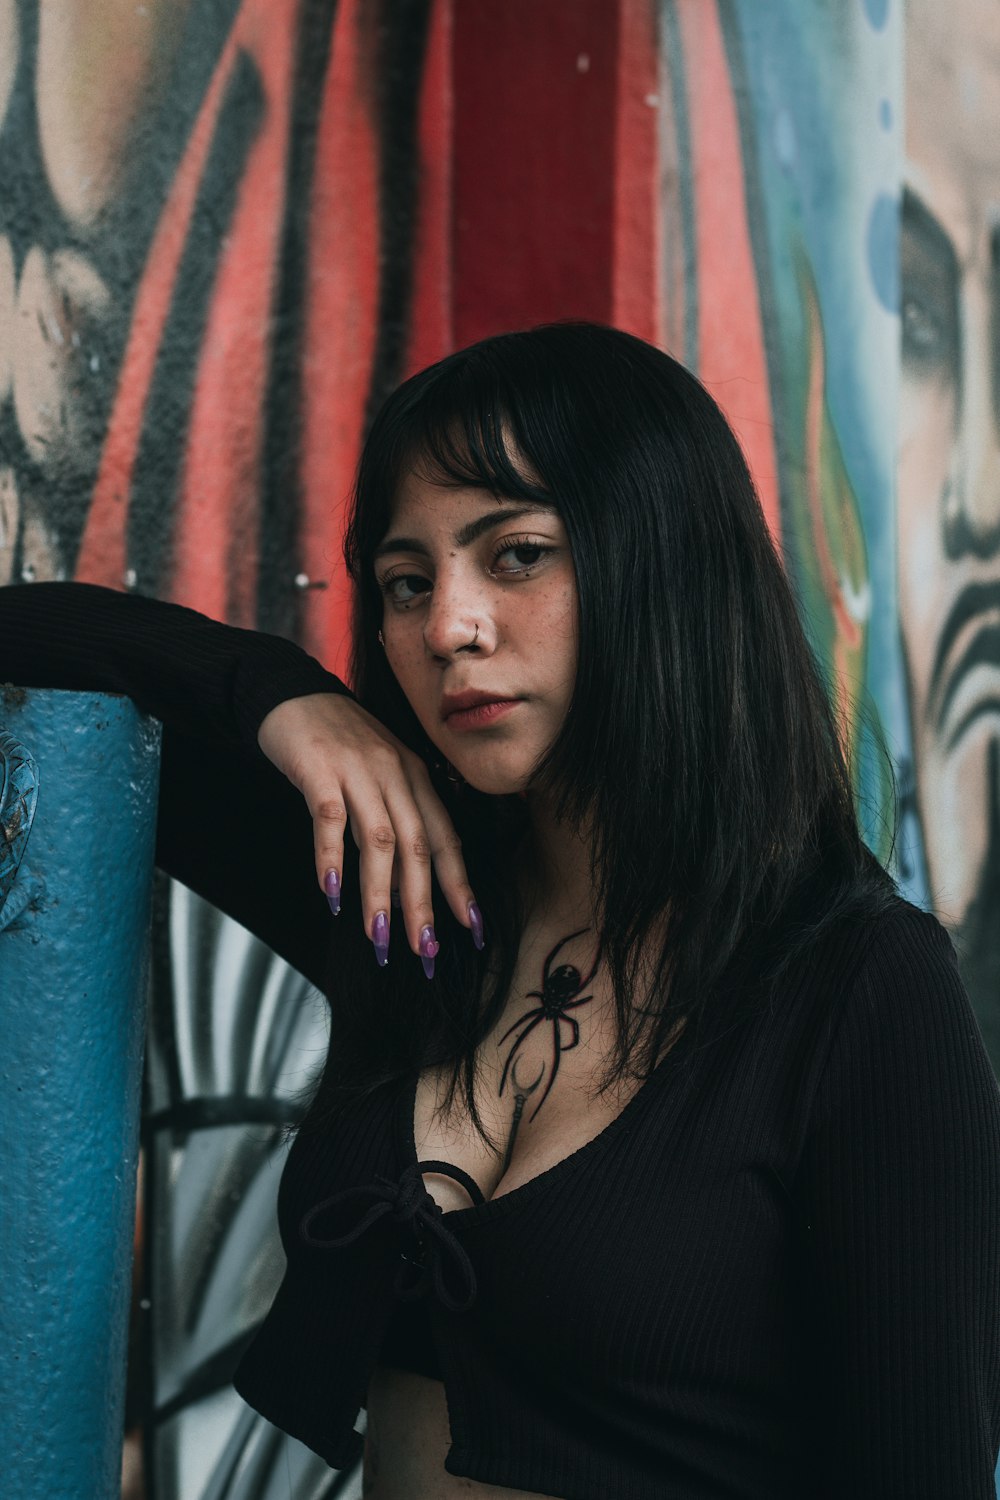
(229, 825)
(775, 1274)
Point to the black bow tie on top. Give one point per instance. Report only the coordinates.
(409, 1203)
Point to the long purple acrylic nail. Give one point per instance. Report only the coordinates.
(428, 947)
(380, 937)
(331, 885)
(476, 918)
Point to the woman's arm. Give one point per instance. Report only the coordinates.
(254, 840)
(193, 673)
(229, 825)
(901, 1212)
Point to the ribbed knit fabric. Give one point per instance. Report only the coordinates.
(230, 826)
(775, 1274)
(198, 676)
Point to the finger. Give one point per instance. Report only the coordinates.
(329, 817)
(413, 860)
(373, 832)
(446, 854)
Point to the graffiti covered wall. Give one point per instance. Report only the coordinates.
(948, 497)
(229, 227)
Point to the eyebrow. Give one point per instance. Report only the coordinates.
(466, 535)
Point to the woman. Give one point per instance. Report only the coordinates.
(682, 1178)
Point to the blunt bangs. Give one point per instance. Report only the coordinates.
(459, 425)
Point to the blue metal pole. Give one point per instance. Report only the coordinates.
(75, 892)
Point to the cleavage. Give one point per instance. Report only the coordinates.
(538, 1071)
(533, 1138)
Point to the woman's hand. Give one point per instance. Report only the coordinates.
(351, 769)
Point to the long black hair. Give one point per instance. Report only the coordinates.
(699, 745)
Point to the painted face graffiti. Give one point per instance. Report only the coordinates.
(949, 463)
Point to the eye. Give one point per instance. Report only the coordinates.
(924, 335)
(403, 588)
(526, 554)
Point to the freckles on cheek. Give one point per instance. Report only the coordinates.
(396, 660)
(408, 665)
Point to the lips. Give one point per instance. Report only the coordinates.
(454, 703)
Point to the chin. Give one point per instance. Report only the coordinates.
(495, 784)
(494, 776)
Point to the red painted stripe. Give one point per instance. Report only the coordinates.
(731, 354)
(535, 86)
(432, 325)
(102, 551)
(637, 304)
(216, 526)
(341, 322)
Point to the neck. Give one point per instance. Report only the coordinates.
(556, 880)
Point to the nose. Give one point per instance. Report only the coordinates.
(457, 618)
(971, 511)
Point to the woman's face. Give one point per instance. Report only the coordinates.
(457, 559)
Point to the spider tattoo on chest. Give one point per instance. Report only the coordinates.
(561, 991)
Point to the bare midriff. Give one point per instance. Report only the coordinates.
(407, 1442)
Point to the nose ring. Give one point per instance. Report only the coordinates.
(471, 643)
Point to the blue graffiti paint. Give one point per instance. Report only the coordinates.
(784, 139)
(877, 12)
(73, 961)
(885, 114)
(883, 250)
